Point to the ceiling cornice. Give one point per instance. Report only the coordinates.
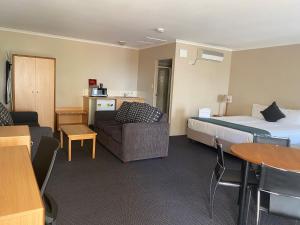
(157, 45)
(64, 38)
(137, 48)
(266, 46)
(204, 45)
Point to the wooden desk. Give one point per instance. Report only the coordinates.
(15, 135)
(77, 132)
(70, 116)
(271, 155)
(20, 203)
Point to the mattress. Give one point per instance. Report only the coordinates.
(290, 131)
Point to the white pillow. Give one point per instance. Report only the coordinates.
(291, 116)
(256, 111)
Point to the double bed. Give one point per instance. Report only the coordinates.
(205, 132)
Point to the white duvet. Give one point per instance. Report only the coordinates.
(276, 129)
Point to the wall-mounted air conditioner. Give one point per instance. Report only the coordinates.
(208, 55)
(211, 55)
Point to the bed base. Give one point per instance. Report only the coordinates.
(208, 139)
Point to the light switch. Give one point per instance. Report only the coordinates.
(183, 53)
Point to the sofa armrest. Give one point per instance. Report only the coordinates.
(140, 139)
(28, 118)
(104, 115)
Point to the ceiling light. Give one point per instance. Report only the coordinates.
(122, 42)
(160, 30)
(155, 39)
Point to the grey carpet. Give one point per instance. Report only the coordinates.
(170, 191)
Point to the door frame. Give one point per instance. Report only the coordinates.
(170, 84)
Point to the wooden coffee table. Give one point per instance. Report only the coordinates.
(77, 132)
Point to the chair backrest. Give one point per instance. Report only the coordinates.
(220, 166)
(284, 189)
(44, 160)
(285, 142)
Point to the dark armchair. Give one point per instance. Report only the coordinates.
(25, 118)
(36, 132)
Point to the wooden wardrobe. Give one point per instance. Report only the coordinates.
(33, 83)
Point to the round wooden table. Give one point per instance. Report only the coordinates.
(271, 155)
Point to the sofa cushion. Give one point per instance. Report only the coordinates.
(133, 112)
(5, 118)
(36, 133)
(113, 131)
(272, 113)
(122, 112)
(148, 114)
(102, 124)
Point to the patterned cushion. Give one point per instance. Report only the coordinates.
(149, 114)
(133, 112)
(122, 112)
(5, 117)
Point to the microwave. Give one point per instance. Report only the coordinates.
(98, 92)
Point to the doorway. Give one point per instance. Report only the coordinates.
(163, 84)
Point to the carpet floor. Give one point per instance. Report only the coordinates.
(170, 191)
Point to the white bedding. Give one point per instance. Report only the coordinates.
(276, 129)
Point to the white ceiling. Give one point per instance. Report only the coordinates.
(235, 24)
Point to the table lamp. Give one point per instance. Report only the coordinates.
(227, 99)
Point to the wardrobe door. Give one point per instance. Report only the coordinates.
(45, 77)
(24, 83)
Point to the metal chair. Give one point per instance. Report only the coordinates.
(285, 142)
(227, 177)
(283, 188)
(272, 140)
(42, 165)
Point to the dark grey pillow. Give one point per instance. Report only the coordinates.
(272, 113)
(149, 114)
(133, 112)
(121, 115)
(5, 117)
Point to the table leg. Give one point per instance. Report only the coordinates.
(243, 193)
(61, 139)
(81, 143)
(94, 148)
(70, 150)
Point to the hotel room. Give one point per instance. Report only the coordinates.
(149, 113)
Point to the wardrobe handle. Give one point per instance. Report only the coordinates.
(37, 92)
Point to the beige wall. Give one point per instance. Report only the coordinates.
(196, 86)
(265, 75)
(76, 62)
(148, 59)
(121, 70)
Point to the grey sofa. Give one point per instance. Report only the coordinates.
(36, 132)
(132, 141)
